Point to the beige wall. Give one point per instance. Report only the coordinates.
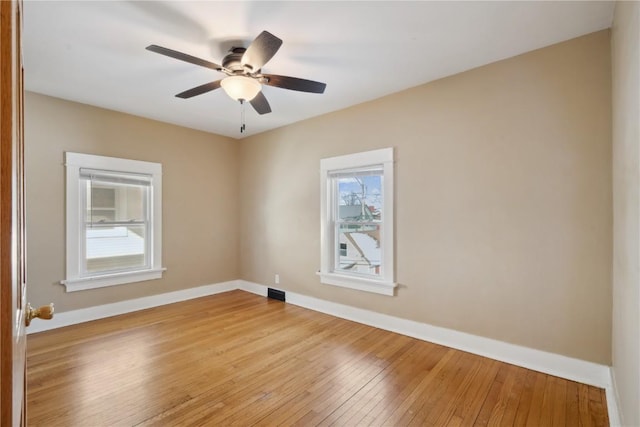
(503, 200)
(626, 209)
(200, 202)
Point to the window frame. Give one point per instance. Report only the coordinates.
(329, 249)
(75, 279)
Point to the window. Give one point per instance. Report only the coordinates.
(114, 222)
(357, 221)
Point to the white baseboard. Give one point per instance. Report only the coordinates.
(107, 310)
(541, 361)
(254, 288)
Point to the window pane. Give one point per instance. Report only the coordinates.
(107, 201)
(110, 248)
(103, 197)
(359, 248)
(359, 197)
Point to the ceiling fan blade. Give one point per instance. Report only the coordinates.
(294, 83)
(261, 50)
(183, 57)
(199, 90)
(260, 104)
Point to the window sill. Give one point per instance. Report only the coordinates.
(94, 282)
(361, 284)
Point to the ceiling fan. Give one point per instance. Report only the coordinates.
(243, 69)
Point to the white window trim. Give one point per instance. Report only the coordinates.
(73, 162)
(384, 285)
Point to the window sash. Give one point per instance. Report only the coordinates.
(106, 178)
(338, 251)
(129, 262)
(85, 271)
(87, 217)
(364, 171)
(110, 177)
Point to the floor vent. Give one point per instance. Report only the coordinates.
(275, 294)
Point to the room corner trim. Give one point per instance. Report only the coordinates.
(612, 400)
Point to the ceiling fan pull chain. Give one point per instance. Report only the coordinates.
(242, 124)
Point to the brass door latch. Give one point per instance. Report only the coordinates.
(45, 312)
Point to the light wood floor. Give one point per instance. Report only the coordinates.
(240, 359)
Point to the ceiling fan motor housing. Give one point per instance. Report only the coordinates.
(233, 60)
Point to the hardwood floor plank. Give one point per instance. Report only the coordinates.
(597, 406)
(491, 397)
(537, 397)
(571, 402)
(546, 413)
(473, 400)
(503, 412)
(583, 406)
(513, 395)
(246, 360)
(524, 403)
(559, 402)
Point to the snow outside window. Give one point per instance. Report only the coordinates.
(357, 221)
(113, 221)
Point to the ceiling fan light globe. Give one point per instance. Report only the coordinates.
(240, 87)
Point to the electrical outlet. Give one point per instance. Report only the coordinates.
(277, 279)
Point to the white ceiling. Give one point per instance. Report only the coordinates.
(94, 52)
